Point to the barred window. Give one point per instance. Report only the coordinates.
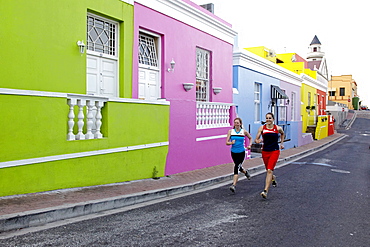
(202, 75)
(101, 35)
(147, 51)
(292, 104)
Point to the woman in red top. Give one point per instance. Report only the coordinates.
(270, 149)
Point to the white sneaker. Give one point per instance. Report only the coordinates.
(264, 194)
(232, 188)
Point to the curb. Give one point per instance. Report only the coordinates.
(48, 215)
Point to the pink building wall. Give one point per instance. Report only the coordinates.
(179, 42)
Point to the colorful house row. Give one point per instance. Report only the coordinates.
(97, 92)
(298, 105)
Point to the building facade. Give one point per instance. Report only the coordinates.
(343, 89)
(66, 96)
(198, 84)
(261, 87)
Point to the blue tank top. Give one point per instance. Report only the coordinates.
(239, 137)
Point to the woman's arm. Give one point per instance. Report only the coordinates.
(258, 136)
(282, 137)
(246, 133)
(228, 142)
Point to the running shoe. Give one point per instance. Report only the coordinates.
(264, 194)
(247, 174)
(232, 188)
(274, 183)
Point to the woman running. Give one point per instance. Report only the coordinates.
(236, 138)
(270, 150)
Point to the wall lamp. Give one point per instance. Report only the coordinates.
(172, 66)
(217, 90)
(187, 86)
(82, 46)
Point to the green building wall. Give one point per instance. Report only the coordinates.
(42, 56)
(39, 43)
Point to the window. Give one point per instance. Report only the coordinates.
(292, 105)
(147, 51)
(331, 93)
(309, 99)
(282, 113)
(202, 75)
(101, 35)
(257, 102)
(342, 91)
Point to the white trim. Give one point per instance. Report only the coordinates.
(210, 138)
(181, 11)
(32, 93)
(79, 155)
(65, 95)
(251, 61)
(128, 1)
(314, 83)
(140, 101)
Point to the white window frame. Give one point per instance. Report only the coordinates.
(202, 74)
(292, 106)
(158, 42)
(116, 37)
(282, 112)
(257, 102)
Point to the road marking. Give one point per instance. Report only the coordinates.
(340, 171)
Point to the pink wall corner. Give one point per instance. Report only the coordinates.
(301, 59)
(179, 42)
(194, 5)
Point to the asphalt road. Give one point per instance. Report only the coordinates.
(321, 200)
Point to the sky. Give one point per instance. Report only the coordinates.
(288, 26)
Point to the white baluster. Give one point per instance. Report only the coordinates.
(202, 118)
(213, 115)
(98, 117)
(81, 103)
(71, 121)
(224, 115)
(227, 118)
(218, 124)
(89, 121)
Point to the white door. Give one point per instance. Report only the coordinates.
(148, 84)
(149, 76)
(102, 57)
(101, 76)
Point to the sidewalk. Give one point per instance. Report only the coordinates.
(40, 208)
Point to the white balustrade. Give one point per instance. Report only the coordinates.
(92, 105)
(213, 115)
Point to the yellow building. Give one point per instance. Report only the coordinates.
(264, 52)
(342, 89)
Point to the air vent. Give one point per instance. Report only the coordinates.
(209, 6)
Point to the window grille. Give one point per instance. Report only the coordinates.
(101, 36)
(257, 102)
(282, 113)
(202, 75)
(147, 51)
